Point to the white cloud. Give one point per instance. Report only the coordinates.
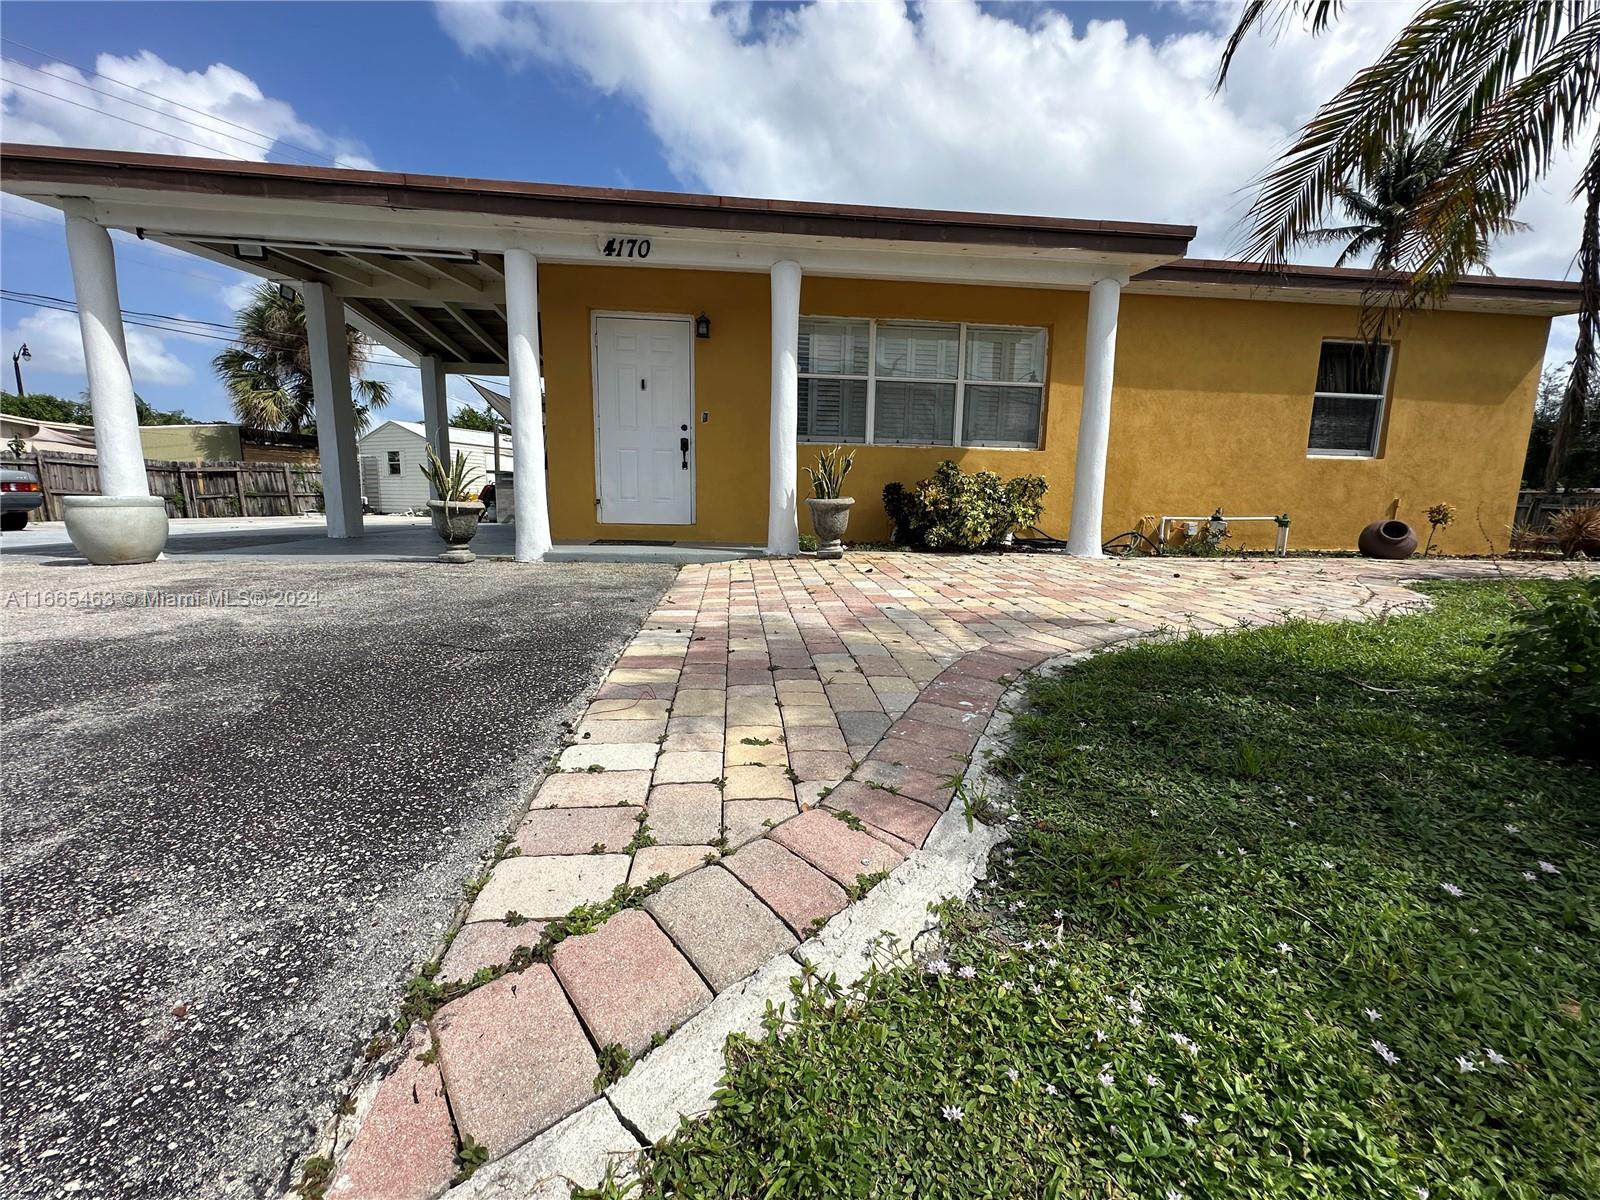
(949, 106)
(54, 342)
(141, 102)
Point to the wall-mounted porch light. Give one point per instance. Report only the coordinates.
(702, 326)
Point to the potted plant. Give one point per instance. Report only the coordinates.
(830, 512)
(455, 513)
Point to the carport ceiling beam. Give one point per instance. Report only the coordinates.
(324, 265)
(453, 272)
(466, 321)
(402, 343)
(401, 271)
(430, 330)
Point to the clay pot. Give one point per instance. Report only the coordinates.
(1387, 539)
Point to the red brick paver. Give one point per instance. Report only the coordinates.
(628, 982)
(406, 1147)
(514, 1058)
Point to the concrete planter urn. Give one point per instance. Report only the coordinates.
(117, 530)
(456, 522)
(1387, 539)
(829, 519)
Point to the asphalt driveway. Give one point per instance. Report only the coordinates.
(240, 799)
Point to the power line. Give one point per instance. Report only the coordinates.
(179, 326)
(166, 100)
(100, 112)
(135, 104)
(183, 327)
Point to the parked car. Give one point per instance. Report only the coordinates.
(20, 494)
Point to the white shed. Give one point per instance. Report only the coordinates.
(392, 455)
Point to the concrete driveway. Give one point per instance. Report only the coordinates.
(240, 800)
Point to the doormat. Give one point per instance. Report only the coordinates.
(629, 542)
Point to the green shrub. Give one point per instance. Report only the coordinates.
(1546, 672)
(955, 510)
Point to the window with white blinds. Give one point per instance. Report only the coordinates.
(920, 383)
(1347, 407)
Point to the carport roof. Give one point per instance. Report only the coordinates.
(447, 193)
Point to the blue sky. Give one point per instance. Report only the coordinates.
(1093, 110)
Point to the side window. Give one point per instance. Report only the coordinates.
(394, 462)
(1347, 407)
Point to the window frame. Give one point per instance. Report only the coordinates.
(395, 463)
(1382, 397)
(960, 382)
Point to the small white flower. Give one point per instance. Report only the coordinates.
(1174, 1194)
(1293, 824)
(1106, 1077)
(1327, 864)
(1383, 1052)
(1035, 990)
(1452, 890)
(1057, 914)
(967, 971)
(1285, 948)
(1529, 876)
(1185, 1044)
(1050, 1090)
(1465, 1064)
(1052, 963)
(1240, 849)
(1422, 1193)
(938, 967)
(952, 1113)
(1013, 1074)
(1549, 868)
(1189, 1119)
(1099, 1035)
(1510, 828)
(1006, 985)
(1152, 1080)
(1155, 812)
(1495, 1057)
(1135, 1020)
(1135, 1004)
(1371, 1014)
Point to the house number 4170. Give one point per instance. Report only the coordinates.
(625, 247)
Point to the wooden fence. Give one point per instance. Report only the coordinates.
(1535, 508)
(192, 489)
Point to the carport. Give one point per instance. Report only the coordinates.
(445, 272)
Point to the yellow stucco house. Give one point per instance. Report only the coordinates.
(690, 353)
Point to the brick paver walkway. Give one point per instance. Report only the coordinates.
(762, 702)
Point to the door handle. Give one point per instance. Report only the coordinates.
(683, 445)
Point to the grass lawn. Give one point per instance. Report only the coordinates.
(1280, 916)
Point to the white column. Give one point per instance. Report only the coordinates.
(532, 523)
(105, 359)
(336, 415)
(435, 410)
(783, 518)
(1094, 421)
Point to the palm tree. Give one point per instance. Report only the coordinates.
(1380, 215)
(268, 370)
(1502, 83)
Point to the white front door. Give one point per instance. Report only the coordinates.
(644, 420)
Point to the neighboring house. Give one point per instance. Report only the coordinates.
(47, 435)
(219, 442)
(392, 455)
(694, 352)
(226, 442)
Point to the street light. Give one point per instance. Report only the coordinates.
(17, 359)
